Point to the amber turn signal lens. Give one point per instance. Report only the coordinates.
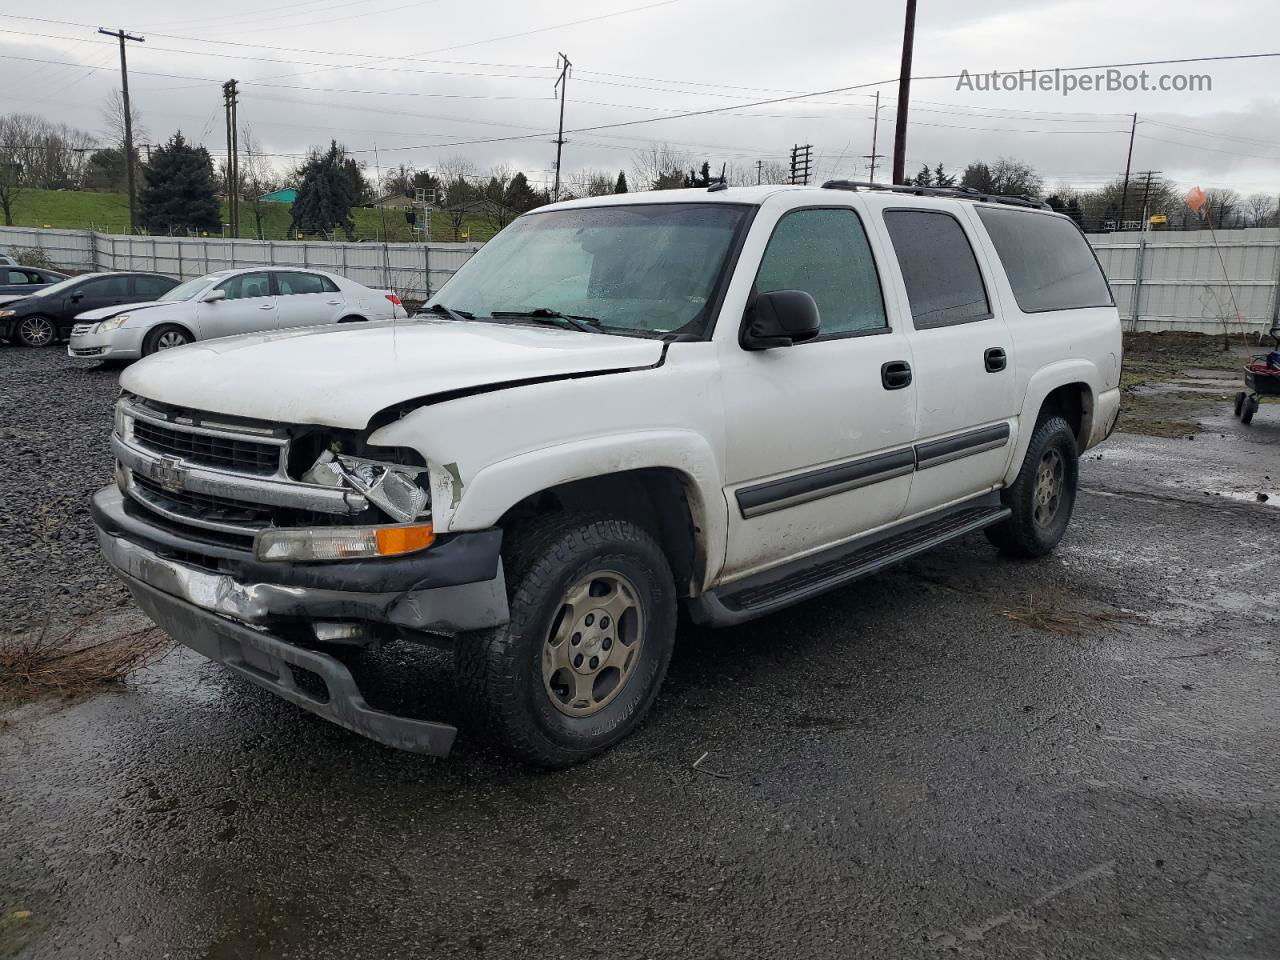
(396, 540)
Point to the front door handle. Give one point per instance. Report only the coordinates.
(995, 359)
(267, 306)
(895, 374)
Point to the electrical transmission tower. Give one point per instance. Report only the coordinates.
(801, 163)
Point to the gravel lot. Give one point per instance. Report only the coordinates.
(1076, 757)
(57, 426)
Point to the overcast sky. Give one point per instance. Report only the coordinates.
(405, 76)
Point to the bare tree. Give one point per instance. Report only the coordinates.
(257, 177)
(461, 196)
(1222, 207)
(113, 120)
(589, 183)
(18, 135)
(1261, 208)
(659, 166)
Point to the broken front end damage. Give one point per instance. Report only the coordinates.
(275, 605)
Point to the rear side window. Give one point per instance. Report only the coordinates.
(939, 269)
(298, 283)
(149, 288)
(825, 253)
(1048, 261)
(117, 286)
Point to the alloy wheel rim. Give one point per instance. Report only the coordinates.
(593, 644)
(37, 331)
(170, 339)
(1050, 483)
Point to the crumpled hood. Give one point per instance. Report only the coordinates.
(341, 375)
(102, 313)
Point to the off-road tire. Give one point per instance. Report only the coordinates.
(151, 343)
(1020, 534)
(1240, 399)
(499, 672)
(21, 334)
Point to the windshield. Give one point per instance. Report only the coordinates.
(645, 268)
(56, 288)
(185, 291)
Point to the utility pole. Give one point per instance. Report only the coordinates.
(875, 133)
(801, 160)
(128, 122)
(230, 97)
(562, 84)
(759, 171)
(904, 96)
(1124, 192)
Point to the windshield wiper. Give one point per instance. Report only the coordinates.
(452, 314)
(576, 321)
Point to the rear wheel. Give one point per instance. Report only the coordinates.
(164, 337)
(1043, 495)
(1240, 398)
(593, 617)
(36, 332)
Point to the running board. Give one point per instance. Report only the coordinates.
(773, 590)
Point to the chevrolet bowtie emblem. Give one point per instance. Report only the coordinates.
(169, 473)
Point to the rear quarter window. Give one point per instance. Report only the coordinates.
(1047, 259)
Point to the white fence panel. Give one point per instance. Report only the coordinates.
(413, 270)
(1190, 282)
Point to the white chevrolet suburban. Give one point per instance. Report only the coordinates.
(730, 399)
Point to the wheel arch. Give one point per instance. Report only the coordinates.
(665, 480)
(1066, 389)
(184, 327)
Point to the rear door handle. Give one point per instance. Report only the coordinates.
(995, 359)
(334, 303)
(895, 374)
(267, 306)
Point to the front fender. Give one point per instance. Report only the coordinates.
(1044, 382)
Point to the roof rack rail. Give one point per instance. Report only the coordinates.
(956, 193)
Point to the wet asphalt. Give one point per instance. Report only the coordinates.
(910, 767)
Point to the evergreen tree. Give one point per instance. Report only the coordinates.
(924, 178)
(178, 193)
(941, 178)
(326, 194)
(621, 185)
(700, 177)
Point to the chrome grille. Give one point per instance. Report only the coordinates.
(224, 451)
(201, 509)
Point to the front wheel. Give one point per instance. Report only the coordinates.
(164, 338)
(36, 332)
(1043, 495)
(593, 618)
(1249, 409)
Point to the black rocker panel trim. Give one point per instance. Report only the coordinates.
(937, 452)
(824, 482)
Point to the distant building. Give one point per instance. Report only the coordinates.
(287, 195)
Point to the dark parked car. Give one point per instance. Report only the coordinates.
(18, 282)
(49, 314)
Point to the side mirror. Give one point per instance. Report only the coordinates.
(213, 296)
(76, 297)
(779, 318)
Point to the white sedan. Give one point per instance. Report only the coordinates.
(225, 304)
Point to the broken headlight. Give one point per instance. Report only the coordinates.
(398, 490)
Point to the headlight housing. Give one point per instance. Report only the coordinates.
(111, 323)
(302, 545)
(4, 314)
(394, 488)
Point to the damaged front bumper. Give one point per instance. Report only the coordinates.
(238, 610)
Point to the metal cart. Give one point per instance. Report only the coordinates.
(1260, 379)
